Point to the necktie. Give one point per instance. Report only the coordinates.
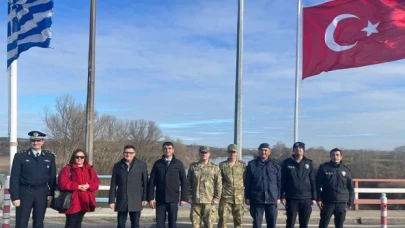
(167, 163)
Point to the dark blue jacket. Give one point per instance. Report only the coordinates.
(28, 170)
(298, 179)
(334, 183)
(263, 181)
(170, 182)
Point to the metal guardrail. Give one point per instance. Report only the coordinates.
(357, 190)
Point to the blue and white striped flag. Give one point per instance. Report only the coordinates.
(29, 25)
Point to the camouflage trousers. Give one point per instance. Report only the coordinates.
(227, 208)
(202, 212)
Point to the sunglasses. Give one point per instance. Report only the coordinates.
(79, 157)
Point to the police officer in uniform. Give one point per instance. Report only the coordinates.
(32, 182)
(262, 188)
(298, 190)
(335, 189)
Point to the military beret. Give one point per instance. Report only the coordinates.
(36, 135)
(264, 145)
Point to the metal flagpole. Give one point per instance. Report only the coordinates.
(298, 67)
(238, 85)
(12, 111)
(90, 83)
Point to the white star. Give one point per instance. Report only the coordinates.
(371, 28)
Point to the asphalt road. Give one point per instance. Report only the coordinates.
(109, 224)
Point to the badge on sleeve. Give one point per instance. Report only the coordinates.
(343, 173)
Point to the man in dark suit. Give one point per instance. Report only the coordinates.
(169, 178)
(32, 181)
(128, 187)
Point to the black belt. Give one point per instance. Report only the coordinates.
(33, 186)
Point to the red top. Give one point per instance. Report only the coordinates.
(81, 200)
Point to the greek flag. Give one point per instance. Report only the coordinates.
(29, 25)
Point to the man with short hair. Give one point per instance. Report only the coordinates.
(262, 191)
(32, 181)
(205, 189)
(335, 189)
(233, 189)
(298, 190)
(169, 177)
(128, 187)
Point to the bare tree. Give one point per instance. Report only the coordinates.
(145, 135)
(66, 127)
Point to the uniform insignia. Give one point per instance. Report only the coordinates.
(343, 173)
(47, 161)
(29, 153)
(306, 166)
(35, 134)
(57, 193)
(47, 166)
(27, 160)
(297, 144)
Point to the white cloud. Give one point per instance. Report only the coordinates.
(176, 66)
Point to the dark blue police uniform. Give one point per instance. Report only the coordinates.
(263, 183)
(32, 180)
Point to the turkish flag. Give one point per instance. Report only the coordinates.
(352, 33)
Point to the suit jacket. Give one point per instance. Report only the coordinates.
(170, 182)
(128, 188)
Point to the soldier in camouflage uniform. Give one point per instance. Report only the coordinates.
(205, 189)
(233, 189)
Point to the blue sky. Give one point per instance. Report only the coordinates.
(175, 64)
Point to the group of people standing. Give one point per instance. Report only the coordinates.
(211, 190)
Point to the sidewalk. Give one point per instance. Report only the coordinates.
(360, 217)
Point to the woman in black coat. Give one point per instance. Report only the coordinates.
(128, 188)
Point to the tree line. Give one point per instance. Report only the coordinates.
(66, 123)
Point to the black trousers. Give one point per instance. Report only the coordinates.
(302, 207)
(74, 220)
(171, 210)
(134, 216)
(32, 198)
(270, 210)
(336, 209)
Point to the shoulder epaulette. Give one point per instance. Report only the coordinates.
(222, 162)
(48, 152)
(346, 166)
(21, 151)
(275, 161)
(243, 162)
(194, 163)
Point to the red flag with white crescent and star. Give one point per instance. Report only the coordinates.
(345, 34)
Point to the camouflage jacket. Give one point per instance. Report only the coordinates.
(205, 182)
(233, 181)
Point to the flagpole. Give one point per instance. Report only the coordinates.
(238, 82)
(12, 111)
(298, 67)
(90, 83)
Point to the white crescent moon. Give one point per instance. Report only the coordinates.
(330, 31)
